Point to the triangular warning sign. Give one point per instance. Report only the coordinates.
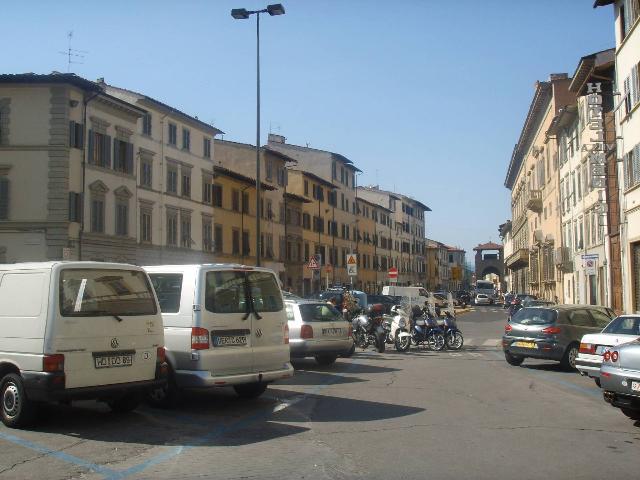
(351, 260)
(313, 263)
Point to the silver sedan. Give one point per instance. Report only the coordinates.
(620, 378)
(318, 330)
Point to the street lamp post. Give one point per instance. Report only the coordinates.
(243, 14)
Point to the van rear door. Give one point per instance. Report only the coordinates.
(227, 316)
(106, 324)
(269, 321)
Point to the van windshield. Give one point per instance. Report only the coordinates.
(100, 292)
(226, 292)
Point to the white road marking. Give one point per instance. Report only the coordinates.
(492, 342)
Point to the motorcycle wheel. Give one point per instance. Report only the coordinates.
(454, 340)
(402, 343)
(436, 342)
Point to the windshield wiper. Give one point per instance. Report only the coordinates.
(106, 314)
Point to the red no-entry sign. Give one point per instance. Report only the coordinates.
(393, 273)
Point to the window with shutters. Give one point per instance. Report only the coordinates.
(4, 197)
(206, 147)
(146, 124)
(173, 134)
(97, 214)
(207, 189)
(207, 234)
(235, 200)
(146, 172)
(76, 135)
(306, 221)
(75, 207)
(245, 205)
(145, 225)
(122, 156)
(626, 92)
(632, 167)
(218, 238)
(306, 188)
(269, 168)
(235, 241)
(172, 179)
(186, 139)
(122, 217)
(172, 228)
(217, 195)
(185, 181)
(185, 229)
(99, 149)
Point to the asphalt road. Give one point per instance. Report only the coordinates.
(422, 414)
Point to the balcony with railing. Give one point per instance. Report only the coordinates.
(534, 201)
(518, 259)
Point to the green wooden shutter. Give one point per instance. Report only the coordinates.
(129, 160)
(72, 134)
(4, 198)
(91, 147)
(106, 159)
(116, 155)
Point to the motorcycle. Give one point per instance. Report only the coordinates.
(368, 330)
(452, 335)
(426, 331)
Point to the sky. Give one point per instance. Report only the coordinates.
(427, 97)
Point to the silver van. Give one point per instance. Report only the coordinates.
(224, 324)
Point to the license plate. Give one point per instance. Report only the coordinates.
(635, 386)
(230, 340)
(112, 361)
(332, 331)
(525, 344)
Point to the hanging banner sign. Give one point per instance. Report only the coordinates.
(595, 123)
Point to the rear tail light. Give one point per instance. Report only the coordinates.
(587, 348)
(306, 331)
(161, 355)
(199, 338)
(551, 330)
(614, 356)
(350, 331)
(286, 334)
(607, 356)
(507, 328)
(53, 363)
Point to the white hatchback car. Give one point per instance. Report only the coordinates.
(318, 330)
(623, 329)
(482, 299)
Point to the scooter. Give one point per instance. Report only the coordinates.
(368, 330)
(399, 329)
(452, 335)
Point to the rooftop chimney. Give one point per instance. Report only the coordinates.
(100, 81)
(557, 76)
(273, 138)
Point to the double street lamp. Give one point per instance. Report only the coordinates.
(243, 14)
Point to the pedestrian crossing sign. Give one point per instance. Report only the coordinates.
(314, 264)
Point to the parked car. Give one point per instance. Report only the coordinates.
(225, 325)
(551, 333)
(387, 301)
(623, 329)
(316, 329)
(483, 299)
(77, 330)
(620, 378)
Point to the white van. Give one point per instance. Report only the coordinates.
(225, 325)
(77, 330)
(411, 295)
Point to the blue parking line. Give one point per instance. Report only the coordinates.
(65, 457)
(217, 432)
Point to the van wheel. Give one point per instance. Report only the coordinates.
(125, 404)
(166, 396)
(326, 359)
(250, 390)
(17, 410)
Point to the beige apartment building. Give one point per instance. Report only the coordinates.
(533, 179)
(408, 228)
(626, 21)
(97, 176)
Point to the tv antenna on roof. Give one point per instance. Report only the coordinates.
(72, 53)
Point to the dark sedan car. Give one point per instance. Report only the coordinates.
(551, 332)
